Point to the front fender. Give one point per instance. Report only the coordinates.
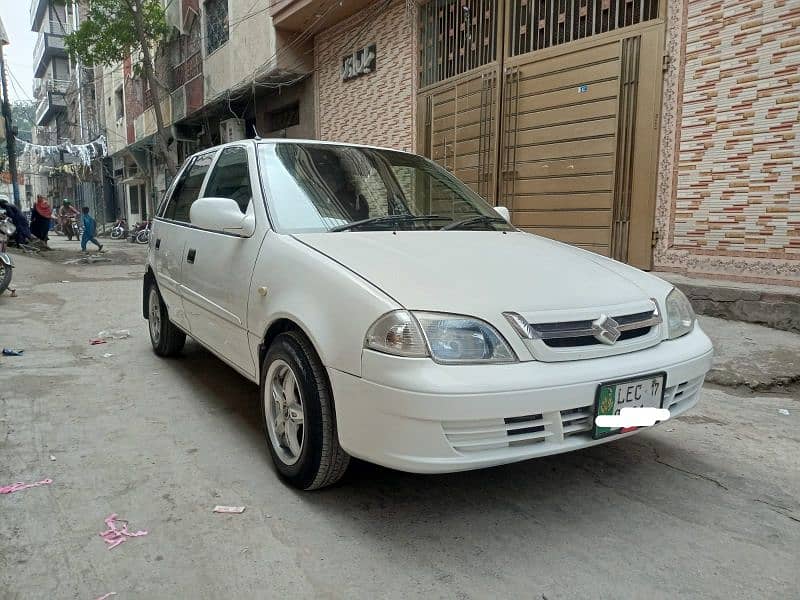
(333, 306)
(6, 260)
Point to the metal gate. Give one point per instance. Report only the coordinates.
(573, 99)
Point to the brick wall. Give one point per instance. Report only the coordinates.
(735, 170)
(377, 108)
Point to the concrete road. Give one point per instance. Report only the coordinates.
(702, 506)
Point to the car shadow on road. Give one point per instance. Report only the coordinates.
(642, 466)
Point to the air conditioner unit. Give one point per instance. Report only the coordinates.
(231, 130)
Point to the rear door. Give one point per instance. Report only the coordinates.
(218, 266)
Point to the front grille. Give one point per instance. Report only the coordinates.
(571, 334)
(475, 436)
(577, 420)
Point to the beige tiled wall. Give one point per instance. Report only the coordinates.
(377, 108)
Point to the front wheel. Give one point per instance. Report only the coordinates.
(166, 338)
(298, 415)
(143, 237)
(117, 234)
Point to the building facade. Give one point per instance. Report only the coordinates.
(661, 133)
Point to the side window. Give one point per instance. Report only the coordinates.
(231, 178)
(188, 188)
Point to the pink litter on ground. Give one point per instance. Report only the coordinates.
(114, 535)
(108, 595)
(16, 487)
(96, 341)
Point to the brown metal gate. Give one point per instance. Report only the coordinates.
(574, 104)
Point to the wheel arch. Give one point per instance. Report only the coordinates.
(282, 324)
(148, 281)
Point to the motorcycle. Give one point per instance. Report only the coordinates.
(7, 229)
(143, 237)
(140, 234)
(120, 230)
(70, 228)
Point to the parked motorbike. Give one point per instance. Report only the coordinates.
(140, 233)
(120, 230)
(143, 237)
(7, 229)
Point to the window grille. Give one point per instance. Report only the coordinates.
(216, 24)
(456, 36)
(539, 24)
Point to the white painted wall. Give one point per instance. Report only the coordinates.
(251, 42)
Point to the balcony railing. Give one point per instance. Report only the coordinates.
(51, 104)
(49, 43)
(42, 86)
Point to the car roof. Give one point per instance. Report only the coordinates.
(293, 141)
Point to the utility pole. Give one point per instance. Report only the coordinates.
(11, 145)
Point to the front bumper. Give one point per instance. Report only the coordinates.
(419, 416)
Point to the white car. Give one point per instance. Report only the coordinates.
(390, 314)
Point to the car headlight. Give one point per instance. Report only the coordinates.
(449, 339)
(680, 315)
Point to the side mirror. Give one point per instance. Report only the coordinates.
(221, 214)
(503, 212)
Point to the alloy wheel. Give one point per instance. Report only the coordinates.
(154, 319)
(285, 412)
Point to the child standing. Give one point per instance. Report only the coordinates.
(89, 227)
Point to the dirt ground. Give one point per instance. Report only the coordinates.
(704, 506)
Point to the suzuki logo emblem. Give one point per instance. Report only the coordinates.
(606, 330)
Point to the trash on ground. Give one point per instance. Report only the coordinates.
(784, 412)
(52, 457)
(108, 595)
(19, 486)
(107, 355)
(65, 281)
(232, 510)
(114, 535)
(114, 334)
(12, 352)
(96, 341)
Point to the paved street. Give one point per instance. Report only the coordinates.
(703, 506)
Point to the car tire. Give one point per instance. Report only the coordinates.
(166, 338)
(317, 460)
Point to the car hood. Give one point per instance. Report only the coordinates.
(485, 273)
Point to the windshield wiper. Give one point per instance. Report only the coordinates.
(474, 221)
(388, 220)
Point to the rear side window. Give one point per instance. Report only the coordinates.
(188, 189)
(231, 178)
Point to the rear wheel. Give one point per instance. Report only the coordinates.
(117, 233)
(166, 338)
(298, 415)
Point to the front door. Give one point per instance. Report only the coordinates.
(169, 235)
(218, 266)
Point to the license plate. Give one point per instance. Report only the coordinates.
(614, 396)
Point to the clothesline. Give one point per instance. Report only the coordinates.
(86, 153)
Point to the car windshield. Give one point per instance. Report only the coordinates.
(324, 187)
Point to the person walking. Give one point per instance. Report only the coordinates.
(41, 214)
(89, 227)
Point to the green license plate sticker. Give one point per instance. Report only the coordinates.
(640, 392)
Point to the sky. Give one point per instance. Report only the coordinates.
(18, 55)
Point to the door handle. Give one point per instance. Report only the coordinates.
(158, 243)
(190, 256)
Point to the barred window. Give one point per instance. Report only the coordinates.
(216, 24)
